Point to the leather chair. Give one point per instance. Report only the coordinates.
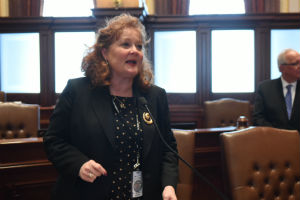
(225, 112)
(2, 96)
(19, 120)
(262, 163)
(185, 145)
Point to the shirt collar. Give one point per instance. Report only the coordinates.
(285, 83)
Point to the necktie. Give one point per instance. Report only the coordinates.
(288, 100)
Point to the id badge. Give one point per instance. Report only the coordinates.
(137, 184)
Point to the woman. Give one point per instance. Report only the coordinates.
(101, 138)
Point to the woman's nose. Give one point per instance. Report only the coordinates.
(133, 49)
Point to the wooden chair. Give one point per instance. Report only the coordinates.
(185, 145)
(225, 112)
(262, 163)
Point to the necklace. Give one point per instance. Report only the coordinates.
(121, 104)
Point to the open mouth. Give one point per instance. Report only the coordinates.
(131, 62)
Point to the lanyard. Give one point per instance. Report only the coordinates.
(137, 164)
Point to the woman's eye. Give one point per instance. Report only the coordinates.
(125, 44)
(139, 47)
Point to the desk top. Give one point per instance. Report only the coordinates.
(216, 130)
(21, 140)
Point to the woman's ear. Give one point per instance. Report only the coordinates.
(104, 53)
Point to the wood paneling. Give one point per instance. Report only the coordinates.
(45, 114)
(185, 114)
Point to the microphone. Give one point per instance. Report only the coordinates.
(143, 101)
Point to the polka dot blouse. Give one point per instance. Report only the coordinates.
(128, 139)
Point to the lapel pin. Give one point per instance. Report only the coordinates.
(147, 118)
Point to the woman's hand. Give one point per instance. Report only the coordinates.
(90, 170)
(169, 193)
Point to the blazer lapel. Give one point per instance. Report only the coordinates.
(282, 99)
(148, 129)
(101, 102)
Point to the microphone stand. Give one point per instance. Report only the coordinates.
(203, 178)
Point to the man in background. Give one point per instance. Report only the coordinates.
(277, 102)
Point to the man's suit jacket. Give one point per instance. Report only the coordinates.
(81, 129)
(270, 107)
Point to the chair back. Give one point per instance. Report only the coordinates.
(2, 96)
(262, 163)
(19, 120)
(225, 112)
(185, 144)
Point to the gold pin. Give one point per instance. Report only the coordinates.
(147, 118)
(122, 105)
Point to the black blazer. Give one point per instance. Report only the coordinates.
(270, 107)
(81, 129)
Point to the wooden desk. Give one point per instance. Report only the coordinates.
(25, 172)
(208, 162)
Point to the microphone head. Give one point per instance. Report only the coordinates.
(142, 100)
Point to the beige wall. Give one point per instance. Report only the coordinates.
(289, 6)
(4, 9)
(151, 6)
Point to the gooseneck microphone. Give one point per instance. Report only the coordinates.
(143, 102)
